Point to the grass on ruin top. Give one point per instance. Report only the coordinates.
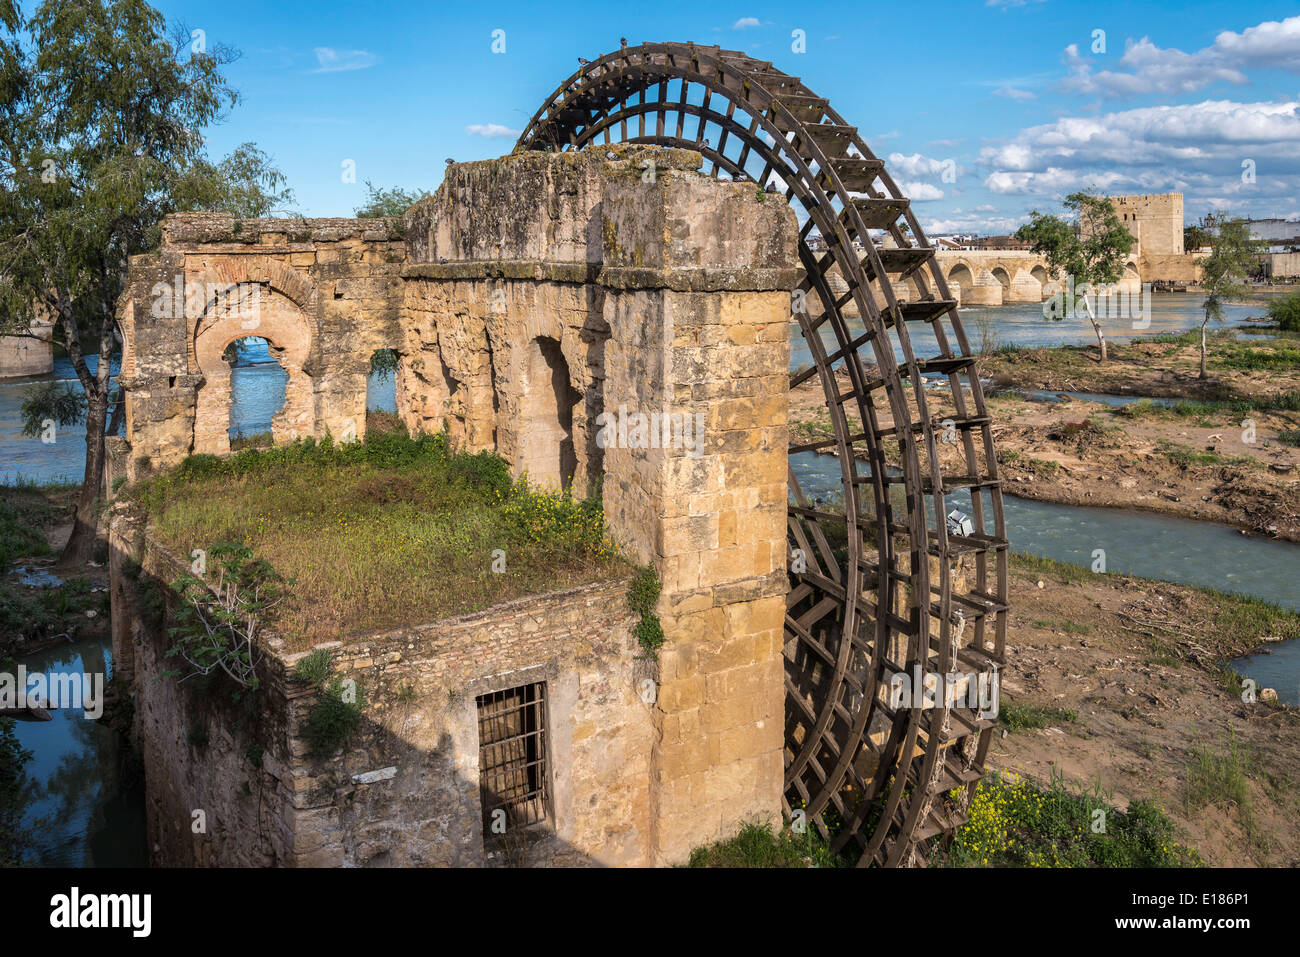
(377, 535)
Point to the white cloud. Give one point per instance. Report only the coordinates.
(1013, 94)
(971, 223)
(492, 131)
(916, 165)
(1197, 149)
(920, 192)
(746, 22)
(1147, 68)
(330, 60)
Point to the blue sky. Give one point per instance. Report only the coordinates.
(1010, 91)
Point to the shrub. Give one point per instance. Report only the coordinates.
(1285, 311)
(333, 717)
(756, 846)
(1023, 717)
(1018, 824)
(315, 668)
(21, 521)
(641, 598)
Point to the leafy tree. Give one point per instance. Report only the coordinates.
(1196, 236)
(1285, 311)
(1233, 254)
(102, 112)
(1091, 245)
(387, 202)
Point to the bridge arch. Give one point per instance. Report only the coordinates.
(962, 276)
(886, 771)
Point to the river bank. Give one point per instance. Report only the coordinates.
(81, 790)
(1118, 685)
(1228, 451)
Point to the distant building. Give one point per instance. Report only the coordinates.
(995, 242)
(1282, 235)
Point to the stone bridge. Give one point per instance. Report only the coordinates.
(997, 276)
(992, 277)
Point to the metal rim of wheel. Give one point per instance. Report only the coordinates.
(865, 774)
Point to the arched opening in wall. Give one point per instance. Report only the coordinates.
(381, 391)
(257, 384)
(546, 450)
(960, 277)
(1002, 277)
(1040, 273)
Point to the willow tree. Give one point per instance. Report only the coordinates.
(102, 112)
(1089, 244)
(1233, 256)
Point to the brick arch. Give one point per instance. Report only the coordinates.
(293, 284)
(286, 327)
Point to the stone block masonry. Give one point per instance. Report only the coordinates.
(529, 299)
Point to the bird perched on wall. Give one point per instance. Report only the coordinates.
(583, 61)
(450, 161)
(622, 43)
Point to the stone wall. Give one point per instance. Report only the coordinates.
(420, 685)
(26, 356)
(1282, 264)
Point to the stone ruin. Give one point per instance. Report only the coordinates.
(533, 301)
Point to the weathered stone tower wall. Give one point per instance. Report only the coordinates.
(1155, 220)
(661, 299)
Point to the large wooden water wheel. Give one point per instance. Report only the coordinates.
(884, 582)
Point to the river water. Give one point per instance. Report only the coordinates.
(83, 807)
(1022, 324)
